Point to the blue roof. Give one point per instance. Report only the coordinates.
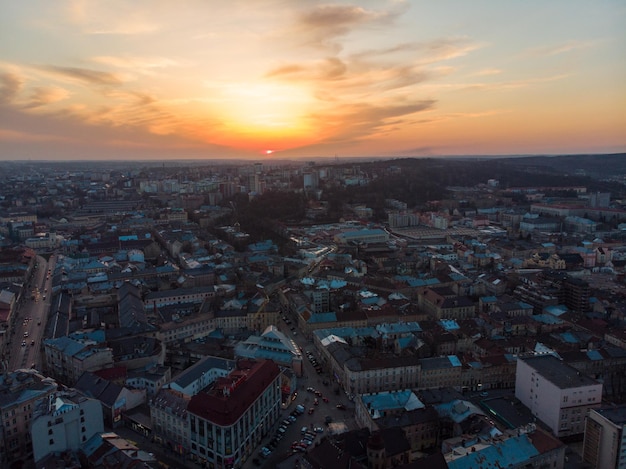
(594, 355)
(488, 299)
(509, 453)
(454, 360)
(322, 317)
(449, 324)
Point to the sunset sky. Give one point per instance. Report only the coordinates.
(286, 79)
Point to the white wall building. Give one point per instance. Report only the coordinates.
(67, 420)
(556, 393)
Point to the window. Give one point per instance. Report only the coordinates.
(51, 441)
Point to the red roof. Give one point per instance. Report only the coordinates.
(226, 400)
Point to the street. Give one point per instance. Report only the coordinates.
(29, 321)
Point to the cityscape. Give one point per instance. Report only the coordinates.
(410, 313)
(345, 234)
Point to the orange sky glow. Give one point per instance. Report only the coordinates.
(81, 79)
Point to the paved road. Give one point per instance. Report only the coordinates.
(312, 379)
(30, 319)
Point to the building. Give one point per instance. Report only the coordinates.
(556, 393)
(114, 399)
(64, 421)
(21, 392)
(200, 375)
(229, 418)
(68, 357)
(362, 236)
(168, 417)
(402, 409)
(605, 439)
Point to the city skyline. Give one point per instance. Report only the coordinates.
(286, 79)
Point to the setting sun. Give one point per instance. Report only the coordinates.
(111, 79)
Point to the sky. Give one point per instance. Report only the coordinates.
(179, 79)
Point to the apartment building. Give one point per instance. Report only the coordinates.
(229, 419)
(556, 393)
(605, 438)
(21, 392)
(65, 421)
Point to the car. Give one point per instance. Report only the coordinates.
(484, 394)
(26, 334)
(286, 422)
(303, 430)
(307, 442)
(325, 399)
(341, 407)
(318, 393)
(282, 429)
(319, 430)
(295, 333)
(44, 297)
(310, 389)
(316, 402)
(311, 410)
(319, 371)
(300, 449)
(39, 322)
(32, 342)
(23, 343)
(292, 418)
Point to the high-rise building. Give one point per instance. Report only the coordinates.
(605, 438)
(229, 418)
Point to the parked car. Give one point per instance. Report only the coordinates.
(341, 407)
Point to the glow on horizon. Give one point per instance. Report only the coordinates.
(153, 79)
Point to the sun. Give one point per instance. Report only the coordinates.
(269, 152)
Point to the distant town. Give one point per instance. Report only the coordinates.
(396, 313)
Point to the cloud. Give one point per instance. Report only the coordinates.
(487, 72)
(10, 86)
(351, 122)
(557, 49)
(134, 63)
(323, 24)
(44, 95)
(85, 75)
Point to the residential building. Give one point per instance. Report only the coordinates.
(229, 418)
(605, 438)
(556, 393)
(68, 357)
(64, 421)
(21, 392)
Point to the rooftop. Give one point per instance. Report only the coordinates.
(557, 372)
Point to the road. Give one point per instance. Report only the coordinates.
(314, 380)
(30, 317)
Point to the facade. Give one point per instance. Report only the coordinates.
(556, 393)
(21, 392)
(178, 296)
(605, 439)
(66, 421)
(168, 417)
(67, 358)
(229, 419)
